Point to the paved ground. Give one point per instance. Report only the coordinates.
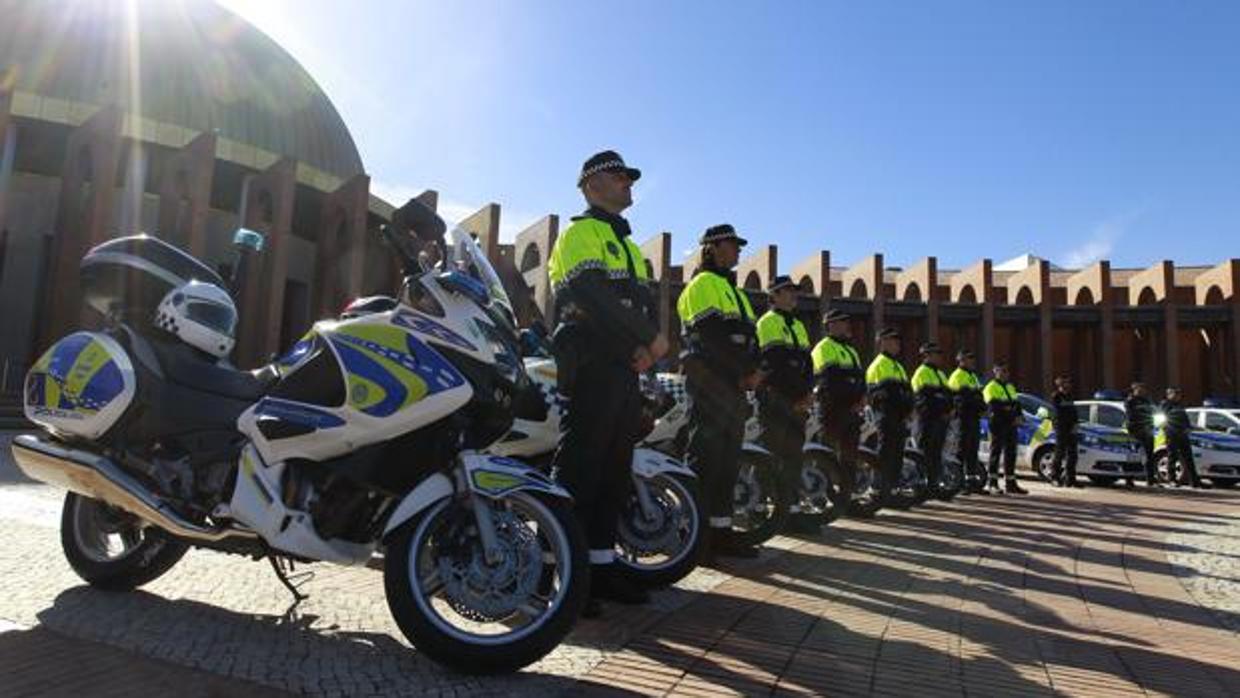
(1086, 592)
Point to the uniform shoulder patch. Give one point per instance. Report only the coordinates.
(613, 249)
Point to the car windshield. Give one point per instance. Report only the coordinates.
(468, 257)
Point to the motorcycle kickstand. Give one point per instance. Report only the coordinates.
(288, 576)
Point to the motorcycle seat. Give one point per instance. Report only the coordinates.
(187, 367)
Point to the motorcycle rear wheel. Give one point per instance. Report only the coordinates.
(112, 549)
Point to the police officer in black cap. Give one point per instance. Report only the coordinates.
(839, 389)
(933, 403)
(720, 362)
(966, 388)
(607, 336)
(783, 399)
(892, 400)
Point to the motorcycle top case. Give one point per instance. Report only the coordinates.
(80, 386)
(131, 275)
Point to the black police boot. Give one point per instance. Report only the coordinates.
(1013, 488)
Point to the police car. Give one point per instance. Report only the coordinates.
(1220, 420)
(1104, 454)
(1215, 453)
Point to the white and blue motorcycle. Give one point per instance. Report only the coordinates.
(659, 533)
(370, 435)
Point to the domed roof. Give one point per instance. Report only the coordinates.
(196, 65)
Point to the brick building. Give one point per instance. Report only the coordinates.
(185, 122)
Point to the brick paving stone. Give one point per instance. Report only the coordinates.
(1094, 592)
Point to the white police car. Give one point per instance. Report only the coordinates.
(1220, 420)
(1104, 454)
(1215, 453)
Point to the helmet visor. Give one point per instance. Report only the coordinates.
(220, 318)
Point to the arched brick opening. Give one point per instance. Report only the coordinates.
(1024, 296)
(807, 285)
(858, 289)
(1147, 297)
(967, 295)
(1084, 296)
(1214, 296)
(912, 292)
(753, 282)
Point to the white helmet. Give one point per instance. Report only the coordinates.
(202, 315)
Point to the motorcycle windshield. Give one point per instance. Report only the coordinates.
(468, 257)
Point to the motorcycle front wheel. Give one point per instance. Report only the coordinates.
(659, 547)
(481, 614)
(759, 504)
(951, 480)
(868, 485)
(826, 487)
(913, 485)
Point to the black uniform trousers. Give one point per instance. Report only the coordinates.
(966, 447)
(783, 434)
(842, 432)
(717, 414)
(1003, 446)
(892, 438)
(595, 458)
(1066, 451)
(1180, 451)
(931, 433)
(1146, 441)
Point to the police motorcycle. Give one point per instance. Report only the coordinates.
(368, 435)
(913, 486)
(659, 534)
(952, 479)
(862, 496)
(760, 507)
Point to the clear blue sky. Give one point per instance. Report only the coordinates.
(956, 129)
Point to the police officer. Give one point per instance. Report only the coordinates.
(784, 395)
(1139, 421)
(1067, 440)
(966, 388)
(891, 399)
(839, 387)
(932, 400)
(1004, 418)
(1179, 447)
(605, 338)
(720, 362)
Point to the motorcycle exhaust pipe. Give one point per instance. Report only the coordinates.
(94, 476)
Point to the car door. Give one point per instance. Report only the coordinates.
(1217, 422)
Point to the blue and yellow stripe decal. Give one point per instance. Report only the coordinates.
(78, 374)
(387, 369)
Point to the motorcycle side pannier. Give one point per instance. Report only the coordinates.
(80, 386)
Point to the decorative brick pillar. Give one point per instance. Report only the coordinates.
(341, 249)
(84, 211)
(185, 194)
(269, 210)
